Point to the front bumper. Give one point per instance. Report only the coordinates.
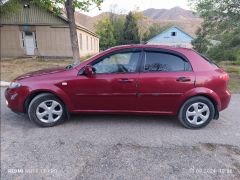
(15, 99)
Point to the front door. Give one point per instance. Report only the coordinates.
(29, 43)
(164, 78)
(113, 87)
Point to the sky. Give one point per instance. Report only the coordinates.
(124, 6)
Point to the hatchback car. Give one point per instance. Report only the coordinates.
(139, 79)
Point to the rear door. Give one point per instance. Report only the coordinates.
(164, 77)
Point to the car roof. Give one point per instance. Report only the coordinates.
(149, 46)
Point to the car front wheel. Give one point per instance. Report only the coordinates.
(46, 110)
(196, 112)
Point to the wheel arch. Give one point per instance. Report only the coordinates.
(33, 94)
(204, 92)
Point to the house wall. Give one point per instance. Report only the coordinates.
(50, 42)
(166, 38)
(174, 44)
(88, 44)
(10, 37)
(53, 41)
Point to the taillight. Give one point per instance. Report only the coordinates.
(225, 77)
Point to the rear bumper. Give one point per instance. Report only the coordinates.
(225, 99)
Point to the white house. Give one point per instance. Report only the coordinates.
(173, 36)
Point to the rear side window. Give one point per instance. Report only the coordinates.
(164, 62)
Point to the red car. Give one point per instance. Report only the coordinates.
(141, 79)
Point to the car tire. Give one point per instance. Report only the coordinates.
(46, 110)
(196, 112)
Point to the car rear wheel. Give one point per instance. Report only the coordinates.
(196, 112)
(46, 110)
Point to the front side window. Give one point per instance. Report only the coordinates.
(164, 62)
(118, 63)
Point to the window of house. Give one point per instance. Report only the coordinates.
(80, 41)
(164, 62)
(87, 42)
(173, 33)
(35, 39)
(22, 39)
(118, 63)
(28, 33)
(91, 43)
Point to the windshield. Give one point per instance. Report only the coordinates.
(70, 66)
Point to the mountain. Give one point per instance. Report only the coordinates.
(185, 19)
(176, 13)
(86, 21)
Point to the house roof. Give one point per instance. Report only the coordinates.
(168, 30)
(38, 16)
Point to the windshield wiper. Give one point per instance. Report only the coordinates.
(70, 66)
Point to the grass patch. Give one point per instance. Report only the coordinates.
(234, 73)
(234, 83)
(12, 68)
(233, 69)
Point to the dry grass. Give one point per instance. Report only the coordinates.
(11, 68)
(234, 73)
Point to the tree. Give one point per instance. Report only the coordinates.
(9, 7)
(70, 6)
(154, 30)
(201, 43)
(105, 30)
(131, 31)
(222, 23)
(219, 15)
(56, 7)
(142, 24)
(118, 29)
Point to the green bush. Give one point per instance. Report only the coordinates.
(221, 53)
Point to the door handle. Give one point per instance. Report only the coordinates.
(125, 80)
(183, 79)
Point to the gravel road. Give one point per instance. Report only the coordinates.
(120, 147)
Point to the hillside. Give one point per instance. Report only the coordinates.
(185, 19)
(175, 13)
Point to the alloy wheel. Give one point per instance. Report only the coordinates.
(49, 111)
(197, 113)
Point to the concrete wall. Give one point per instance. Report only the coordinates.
(53, 41)
(88, 44)
(50, 41)
(11, 42)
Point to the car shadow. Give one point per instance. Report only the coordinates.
(21, 120)
(161, 120)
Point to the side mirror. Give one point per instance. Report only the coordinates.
(89, 71)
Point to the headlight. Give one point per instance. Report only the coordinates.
(14, 85)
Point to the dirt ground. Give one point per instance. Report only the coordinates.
(120, 147)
